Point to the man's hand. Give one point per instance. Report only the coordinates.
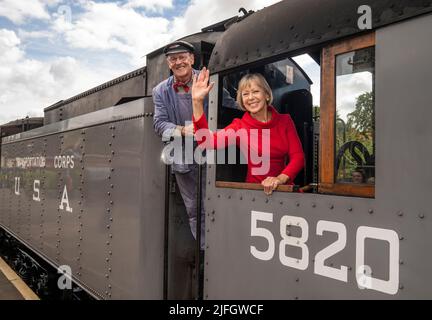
(188, 131)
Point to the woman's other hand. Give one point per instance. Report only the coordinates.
(271, 183)
(201, 86)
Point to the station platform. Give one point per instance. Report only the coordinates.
(11, 285)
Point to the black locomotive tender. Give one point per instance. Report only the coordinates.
(88, 190)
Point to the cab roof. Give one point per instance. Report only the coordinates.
(295, 24)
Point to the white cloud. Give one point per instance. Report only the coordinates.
(28, 85)
(19, 11)
(24, 34)
(348, 88)
(151, 5)
(108, 26)
(118, 33)
(203, 13)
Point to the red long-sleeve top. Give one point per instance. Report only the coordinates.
(283, 144)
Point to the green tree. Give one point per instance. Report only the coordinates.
(362, 119)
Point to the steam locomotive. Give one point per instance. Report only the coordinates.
(85, 189)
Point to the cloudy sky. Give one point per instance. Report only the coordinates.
(53, 49)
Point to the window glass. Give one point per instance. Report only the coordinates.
(355, 117)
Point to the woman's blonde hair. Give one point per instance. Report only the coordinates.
(260, 81)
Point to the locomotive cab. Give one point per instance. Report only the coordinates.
(291, 87)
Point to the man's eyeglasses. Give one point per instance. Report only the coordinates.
(181, 58)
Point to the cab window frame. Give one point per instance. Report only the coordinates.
(219, 183)
(327, 177)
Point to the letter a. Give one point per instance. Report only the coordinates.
(65, 200)
(365, 21)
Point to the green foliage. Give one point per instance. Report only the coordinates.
(359, 127)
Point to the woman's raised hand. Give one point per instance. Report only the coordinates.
(200, 85)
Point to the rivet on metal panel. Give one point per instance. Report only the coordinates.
(266, 200)
(253, 199)
(401, 238)
(107, 243)
(107, 259)
(298, 204)
(421, 216)
(331, 207)
(313, 204)
(401, 262)
(350, 209)
(111, 202)
(297, 280)
(110, 253)
(400, 213)
(212, 219)
(108, 226)
(281, 202)
(371, 211)
(111, 219)
(401, 286)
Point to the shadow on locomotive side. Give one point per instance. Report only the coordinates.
(354, 226)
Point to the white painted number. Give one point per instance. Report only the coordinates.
(288, 240)
(264, 233)
(364, 277)
(320, 258)
(391, 286)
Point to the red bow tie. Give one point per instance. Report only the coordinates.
(177, 85)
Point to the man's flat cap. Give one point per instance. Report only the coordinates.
(178, 47)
